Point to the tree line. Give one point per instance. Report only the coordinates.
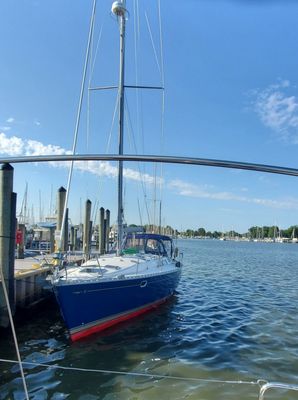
(272, 232)
(254, 232)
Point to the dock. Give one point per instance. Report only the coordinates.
(30, 281)
(31, 285)
(25, 271)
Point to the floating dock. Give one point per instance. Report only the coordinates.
(30, 281)
(29, 286)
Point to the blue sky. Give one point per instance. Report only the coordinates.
(230, 71)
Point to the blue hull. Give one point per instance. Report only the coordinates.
(92, 307)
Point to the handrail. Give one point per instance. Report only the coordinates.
(155, 158)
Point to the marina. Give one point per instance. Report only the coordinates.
(96, 306)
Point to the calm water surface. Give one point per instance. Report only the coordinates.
(234, 318)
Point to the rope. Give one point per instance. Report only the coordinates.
(262, 384)
(137, 374)
(275, 385)
(14, 335)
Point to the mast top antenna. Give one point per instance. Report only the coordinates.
(118, 8)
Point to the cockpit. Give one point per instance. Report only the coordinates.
(148, 243)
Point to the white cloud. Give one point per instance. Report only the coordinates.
(277, 108)
(36, 122)
(190, 190)
(10, 120)
(15, 146)
(12, 146)
(5, 128)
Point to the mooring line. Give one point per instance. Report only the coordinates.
(261, 383)
(19, 362)
(137, 374)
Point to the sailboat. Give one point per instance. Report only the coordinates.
(143, 273)
(293, 236)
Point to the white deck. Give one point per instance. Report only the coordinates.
(112, 267)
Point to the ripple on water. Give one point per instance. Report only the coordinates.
(234, 317)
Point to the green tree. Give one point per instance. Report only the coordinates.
(201, 232)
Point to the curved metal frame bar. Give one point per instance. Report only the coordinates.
(154, 158)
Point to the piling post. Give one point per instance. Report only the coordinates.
(75, 239)
(60, 206)
(61, 196)
(81, 236)
(86, 238)
(107, 230)
(90, 235)
(52, 240)
(101, 239)
(13, 228)
(7, 239)
(72, 242)
(64, 244)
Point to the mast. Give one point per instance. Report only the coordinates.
(118, 8)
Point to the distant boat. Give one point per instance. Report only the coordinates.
(142, 274)
(294, 239)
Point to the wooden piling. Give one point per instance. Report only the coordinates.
(61, 196)
(87, 238)
(7, 239)
(76, 244)
(64, 244)
(101, 231)
(72, 241)
(52, 240)
(107, 230)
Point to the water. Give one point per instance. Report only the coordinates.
(233, 318)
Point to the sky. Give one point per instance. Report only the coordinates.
(229, 69)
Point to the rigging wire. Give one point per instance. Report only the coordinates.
(152, 42)
(139, 107)
(88, 95)
(100, 180)
(160, 66)
(96, 50)
(132, 137)
(91, 71)
(140, 214)
(155, 166)
(112, 124)
(78, 118)
(162, 107)
(139, 98)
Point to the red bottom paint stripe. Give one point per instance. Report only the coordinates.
(108, 324)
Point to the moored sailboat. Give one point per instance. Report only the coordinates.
(142, 274)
